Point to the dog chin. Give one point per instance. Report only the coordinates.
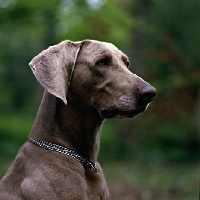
(120, 114)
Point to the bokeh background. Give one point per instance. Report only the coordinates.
(154, 156)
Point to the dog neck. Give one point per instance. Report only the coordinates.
(74, 126)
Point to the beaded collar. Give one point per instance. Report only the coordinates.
(55, 147)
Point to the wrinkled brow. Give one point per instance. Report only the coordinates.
(101, 55)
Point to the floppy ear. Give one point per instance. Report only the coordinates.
(53, 67)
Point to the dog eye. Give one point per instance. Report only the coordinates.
(128, 63)
(103, 62)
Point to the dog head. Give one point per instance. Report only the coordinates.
(96, 74)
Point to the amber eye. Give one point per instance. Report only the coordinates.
(103, 62)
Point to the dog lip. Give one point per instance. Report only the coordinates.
(111, 113)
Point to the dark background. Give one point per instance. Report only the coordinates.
(156, 154)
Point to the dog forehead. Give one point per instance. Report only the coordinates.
(94, 49)
(110, 46)
(105, 46)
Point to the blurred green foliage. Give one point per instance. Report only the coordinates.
(154, 181)
(162, 40)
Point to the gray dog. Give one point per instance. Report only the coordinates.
(85, 83)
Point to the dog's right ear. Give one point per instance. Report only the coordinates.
(53, 67)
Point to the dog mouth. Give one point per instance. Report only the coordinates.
(111, 113)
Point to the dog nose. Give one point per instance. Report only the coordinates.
(146, 91)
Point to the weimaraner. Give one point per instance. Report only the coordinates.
(85, 83)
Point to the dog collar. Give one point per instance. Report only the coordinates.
(55, 147)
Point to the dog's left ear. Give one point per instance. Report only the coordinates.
(53, 67)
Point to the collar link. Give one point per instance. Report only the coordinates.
(55, 147)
